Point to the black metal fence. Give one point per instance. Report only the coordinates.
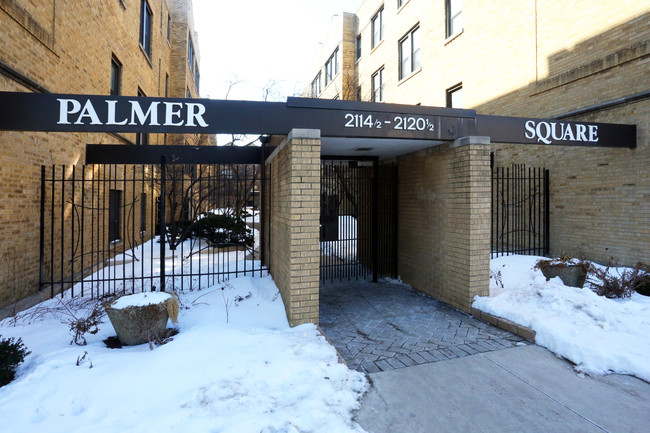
(520, 210)
(111, 229)
(358, 233)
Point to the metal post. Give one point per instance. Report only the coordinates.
(41, 246)
(163, 193)
(547, 225)
(262, 209)
(375, 220)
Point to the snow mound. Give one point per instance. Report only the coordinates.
(599, 335)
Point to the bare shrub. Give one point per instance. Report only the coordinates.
(612, 287)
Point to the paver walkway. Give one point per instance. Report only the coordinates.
(388, 325)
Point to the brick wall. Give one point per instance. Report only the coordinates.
(444, 222)
(66, 47)
(294, 203)
(540, 59)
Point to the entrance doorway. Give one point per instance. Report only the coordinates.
(358, 220)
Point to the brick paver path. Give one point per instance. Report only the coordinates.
(389, 325)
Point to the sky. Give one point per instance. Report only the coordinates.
(260, 42)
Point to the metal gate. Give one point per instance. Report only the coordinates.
(358, 221)
(520, 210)
(114, 229)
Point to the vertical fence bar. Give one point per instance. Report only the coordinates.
(162, 228)
(375, 221)
(72, 215)
(41, 232)
(62, 228)
(547, 228)
(83, 207)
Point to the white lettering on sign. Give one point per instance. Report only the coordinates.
(547, 132)
(403, 123)
(73, 111)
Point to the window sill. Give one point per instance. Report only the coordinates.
(412, 74)
(453, 37)
(377, 46)
(402, 7)
(146, 56)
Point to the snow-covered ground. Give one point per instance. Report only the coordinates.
(599, 335)
(235, 366)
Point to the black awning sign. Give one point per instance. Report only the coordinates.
(123, 114)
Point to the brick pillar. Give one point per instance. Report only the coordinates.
(444, 220)
(294, 223)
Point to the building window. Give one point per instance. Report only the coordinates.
(189, 95)
(358, 47)
(114, 214)
(197, 77)
(190, 54)
(315, 86)
(378, 28)
(166, 85)
(169, 28)
(116, 76)
(332, 66)
(146, 20)
(141, 138)
(378, 86)
(409, 53)
(143, 212)
(454, 15)
(455, 96)
(400, 3)
(358, 93)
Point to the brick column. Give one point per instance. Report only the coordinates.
(444, 220)
(294, 223)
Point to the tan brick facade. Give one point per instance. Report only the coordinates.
(539, 59)
(294, 202)
(444, 222)
(67, 47)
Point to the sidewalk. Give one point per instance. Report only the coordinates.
(519, 389)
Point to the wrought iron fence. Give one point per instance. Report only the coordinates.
(520, 210)
(358, 233)
(110, 229)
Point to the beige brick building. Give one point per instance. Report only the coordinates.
(579, 60)
(121, 47)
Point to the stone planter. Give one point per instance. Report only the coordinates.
(571, 274)
(141, 318)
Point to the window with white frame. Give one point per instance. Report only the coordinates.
(454, 16)
(455, 96)
(315, 86)
(409, 53)
(332, 66)
(377, 28)
(146, 21)
(378, 86)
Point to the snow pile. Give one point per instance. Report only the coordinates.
(600, 335)
(235, 366)
(140, 300)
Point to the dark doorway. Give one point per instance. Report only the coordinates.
(358, 221)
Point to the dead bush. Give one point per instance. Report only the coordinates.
(632, 280)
